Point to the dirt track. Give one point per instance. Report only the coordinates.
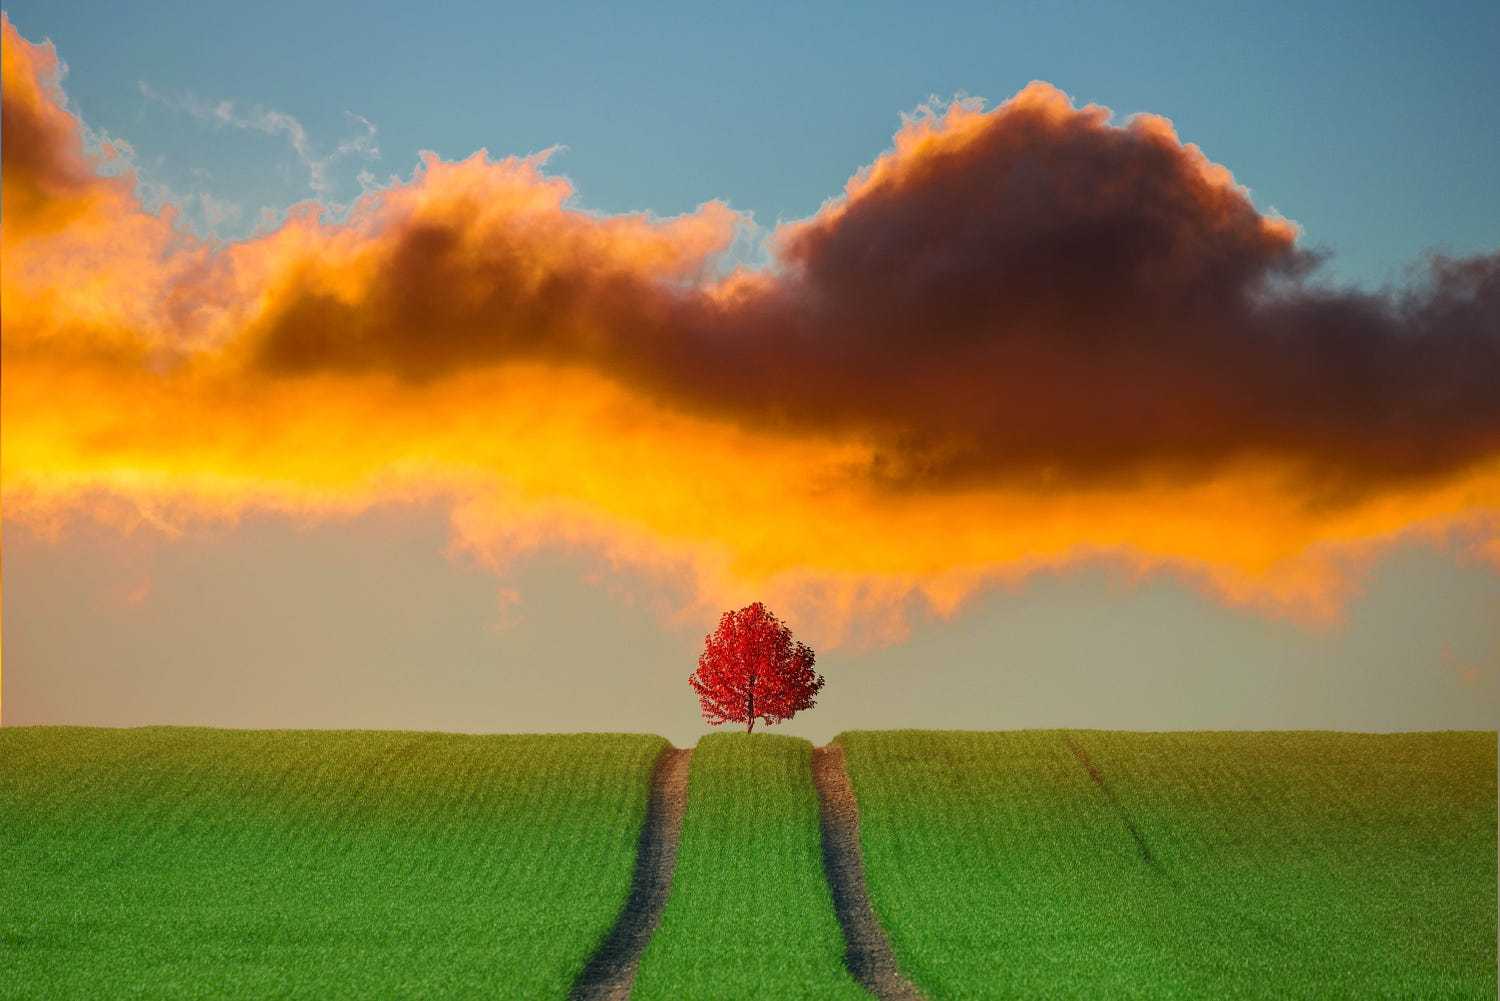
(867, 953)
(611, 971)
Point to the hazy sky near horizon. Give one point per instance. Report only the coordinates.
(477, 449)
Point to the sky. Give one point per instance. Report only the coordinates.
(1041, 365)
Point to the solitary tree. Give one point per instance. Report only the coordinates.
(752, 669)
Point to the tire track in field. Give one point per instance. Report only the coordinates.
(610, 972)
(867, 952)
(1189, 893)
(1135, 832)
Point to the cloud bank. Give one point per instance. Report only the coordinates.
(1020, 339)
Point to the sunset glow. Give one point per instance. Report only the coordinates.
(1154, 381)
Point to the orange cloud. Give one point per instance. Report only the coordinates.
(49, 183)
(1022, 340)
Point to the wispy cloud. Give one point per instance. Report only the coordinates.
(217, 211)
(364, 143)
(270, 122)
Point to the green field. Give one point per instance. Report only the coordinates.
(750, 915)
(177, 863)
(1265, 865)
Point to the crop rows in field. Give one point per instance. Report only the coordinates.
(185, 863)
(168, 862)
(1254, 865)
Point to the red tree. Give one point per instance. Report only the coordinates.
(752, 669)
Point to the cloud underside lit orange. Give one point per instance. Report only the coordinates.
(1021, 340)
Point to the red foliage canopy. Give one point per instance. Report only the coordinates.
(751, 669)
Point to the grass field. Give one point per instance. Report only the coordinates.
(176, 863)
(1266, 865)
(750, 915)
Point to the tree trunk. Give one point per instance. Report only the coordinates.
(750, 707)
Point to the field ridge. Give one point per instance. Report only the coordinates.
(750, 915)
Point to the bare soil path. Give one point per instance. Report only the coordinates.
(610, 973)
(867, 952)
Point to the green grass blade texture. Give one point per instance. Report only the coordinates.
(1218, 864)
(750, 914)
(188, 863)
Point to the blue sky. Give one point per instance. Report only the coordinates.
(1374, 126)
